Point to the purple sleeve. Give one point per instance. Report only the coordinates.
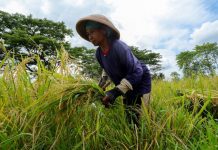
(130, 63)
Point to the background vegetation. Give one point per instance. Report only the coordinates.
(58, 110)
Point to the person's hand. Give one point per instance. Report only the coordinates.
(110, 97)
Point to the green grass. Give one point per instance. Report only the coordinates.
(59, 111)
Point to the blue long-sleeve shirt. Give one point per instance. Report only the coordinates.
(120, 63)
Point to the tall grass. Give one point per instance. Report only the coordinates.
(60, 111)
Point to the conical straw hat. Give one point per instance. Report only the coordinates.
(80, 25)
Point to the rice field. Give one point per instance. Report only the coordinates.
(60, 111)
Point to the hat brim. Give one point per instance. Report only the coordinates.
(80, 25)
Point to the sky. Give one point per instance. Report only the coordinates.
(164, 26)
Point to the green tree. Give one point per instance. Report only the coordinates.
(148, 57)
(25, 36)
(157, 76)
(175, 76)
(201, 60)
(85, 58)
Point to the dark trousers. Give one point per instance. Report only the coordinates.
(132, 103)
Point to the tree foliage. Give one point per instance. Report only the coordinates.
(86, 59)
(157, 76)
(203, 59)
(150, 58)
(175, 76)
(25, 36)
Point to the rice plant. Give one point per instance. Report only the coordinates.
(61, 111)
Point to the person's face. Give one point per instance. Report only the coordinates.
(96, 36)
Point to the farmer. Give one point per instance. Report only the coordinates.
(131, 77)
